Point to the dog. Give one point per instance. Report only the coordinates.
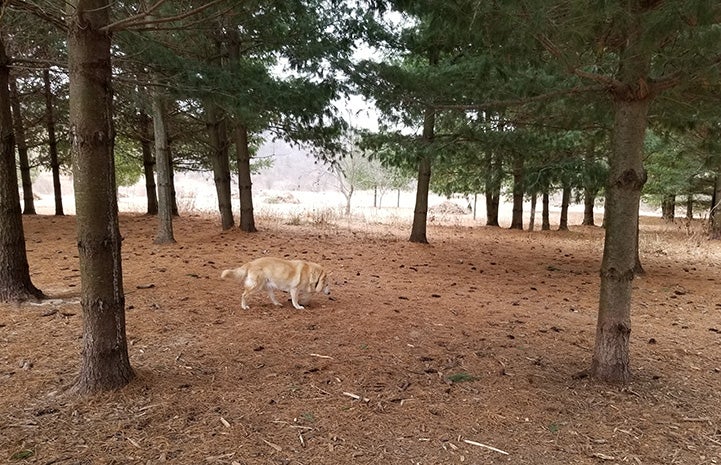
(299, 277)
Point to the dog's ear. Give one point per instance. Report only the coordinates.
(321, 282)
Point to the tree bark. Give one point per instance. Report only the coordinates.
(715, 213)
(53, 144)
(146, 140)
(689, 207)
(245, 184)
(565, 201)
(626, 178)
(105, 362)
(668, 207)
(532, 217)
(15, 283)
(420, 212)
(164, 234)
(218, 136)
(21, 143)
(545, 213)
(589, 200)
(517, 216)
(493, 189)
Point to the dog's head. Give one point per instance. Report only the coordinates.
(319, 280)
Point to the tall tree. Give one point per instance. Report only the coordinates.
(23, 159)
(52, 142)
(15, 282)
(105, 362)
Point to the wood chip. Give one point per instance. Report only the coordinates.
(224, 422)
(274, 446)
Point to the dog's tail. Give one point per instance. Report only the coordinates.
(234, 273)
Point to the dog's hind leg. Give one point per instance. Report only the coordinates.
(294, 298)
(243, 303)
(271, 294)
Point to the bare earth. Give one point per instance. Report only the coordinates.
(424, 354)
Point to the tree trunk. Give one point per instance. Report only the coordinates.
(565, 201)
(53, 144)
(493, 189)
(217, 130)
(15, 283)
(545, 214)
(689, 207)
(475, 205)
(171, 175)
(348, 193)
(626, 178)
(589, 200)
(668, 208)
(420, 212)
(105, 361)
(532, 218)
(19, 125)
(715, 213)
(146, 139)
(162, 156)
(245, 185)
(517, 217)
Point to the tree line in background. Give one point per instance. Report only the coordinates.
(595, 100)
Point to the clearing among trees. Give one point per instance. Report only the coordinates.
(423, 354)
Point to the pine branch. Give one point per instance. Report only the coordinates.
(54, 18)
(521, 101)
(141, 19)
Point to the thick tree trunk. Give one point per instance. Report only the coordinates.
(105, 361)
(626, 178)
(53, 144)
(164, 234)
(420, 212)
(218, 135)
(146, 141)
(565, 201)
(689, 207)
(545, 214)
(668, 207)
(589, 200)
(518, 189)
(245, 185)
(15, 283)
(21, 143)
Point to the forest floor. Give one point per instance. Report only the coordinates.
(422, 354)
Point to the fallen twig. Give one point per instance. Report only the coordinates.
(320, 356)
(356, 396)
(474, 443)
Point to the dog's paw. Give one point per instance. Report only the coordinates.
(299, 307)
(245, 307)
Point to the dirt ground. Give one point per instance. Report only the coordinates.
(423, 354)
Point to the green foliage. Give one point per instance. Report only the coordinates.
(128, 162)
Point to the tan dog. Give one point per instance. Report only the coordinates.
(299, 277)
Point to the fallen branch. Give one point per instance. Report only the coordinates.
(320, 356)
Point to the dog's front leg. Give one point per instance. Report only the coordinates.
(243, 303)
(294, 299)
